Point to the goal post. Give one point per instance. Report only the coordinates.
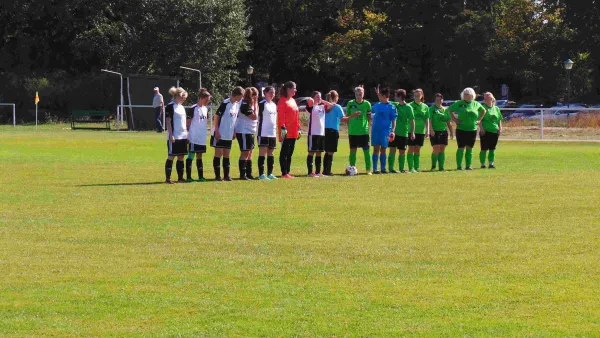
(14, 112)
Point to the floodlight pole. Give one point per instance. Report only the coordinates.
(199, 75)
(120, 110)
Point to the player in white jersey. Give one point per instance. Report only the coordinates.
(316, 107)
(267, 134)
(197, 136)
(177, 136)
(245, 128)
(223, 132)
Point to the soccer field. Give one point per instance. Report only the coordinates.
(92, 243)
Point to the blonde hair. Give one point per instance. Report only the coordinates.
(492, 96)
(467, 91)
(178, 92)
(332, 94)
(359, 88)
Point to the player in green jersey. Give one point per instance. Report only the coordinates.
(438, 131)
(489, 130)
(359, 113)
(405, 131)
(467, 114)
(421, 111)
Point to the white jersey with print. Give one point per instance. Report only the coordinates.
(317, 120)
(197, 133)
(228, 113)
(244, 124)
(178, 116)
(267, 119)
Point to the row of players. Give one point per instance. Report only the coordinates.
(396, 125)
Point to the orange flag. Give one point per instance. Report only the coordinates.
(37, 98)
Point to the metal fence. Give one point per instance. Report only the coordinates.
(552, 123)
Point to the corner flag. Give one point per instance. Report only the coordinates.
(37, 98)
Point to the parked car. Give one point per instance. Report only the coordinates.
(571, 112)
(521, 114)
(301, 103)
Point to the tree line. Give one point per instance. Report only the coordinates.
(58, 47)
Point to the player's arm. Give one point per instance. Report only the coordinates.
(248, 112)
(482, 113)
(168, 119)
(217, 119)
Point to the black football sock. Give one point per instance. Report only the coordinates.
(226, 165)
(242, 167)
(261, 165)
(270, 164)
(168, 168)
(249, 168)
(326, 169)
(188, 168)
(179, 167)
(318, 164)
(200, 167)
(217, 167)
(309, 163)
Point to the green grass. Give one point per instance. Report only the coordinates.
(87, 251)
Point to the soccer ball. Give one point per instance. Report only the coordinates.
(351, 171)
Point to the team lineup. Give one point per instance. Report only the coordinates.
(398, 125)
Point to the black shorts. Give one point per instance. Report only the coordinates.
(331, 140)
(489, 141)
(358, 141)
(316, 143)
(225, 144)
(177, 148)
(399, 142)
(269, 142)
(246, 141)
(465, 138)
(418, 141)
(440, 138)
(197, 148)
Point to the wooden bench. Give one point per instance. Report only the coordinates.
(90, 116)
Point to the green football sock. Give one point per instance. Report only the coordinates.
(459, 157)
(391, 162)
(411, 161)
(442, 160)
(491, 156)
(482, 155)
(191, 156)
(367, 153)
(434, 160)
(353, 159)
(401, 162)
(469, 157)
(417, 160)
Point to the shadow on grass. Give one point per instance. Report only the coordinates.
(138, 184)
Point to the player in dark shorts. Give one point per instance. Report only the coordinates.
(223, 132)
(489, 130)
(358, 112)
(405, 131)
(438, 132)
(421, 111)
(177, 133)
(467, 114)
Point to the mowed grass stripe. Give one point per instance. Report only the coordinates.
(505, 252)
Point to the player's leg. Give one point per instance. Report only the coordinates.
(169, 169)
(200, 166)
(226, 163)
(483, 149)
(250, 147)
(383, 158)
(271, 160)
(493, 143)
(441, 157)
(460, 152)
(262, 152)
(217, 163)
(189, 161)
(392, 158)
(318, 162)
(180, 167)
(367, 153)
(242, 165)
(417, 158)
(290, 156)
(410, 158)
(309, 163)
(375, 156)
(283, 154)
